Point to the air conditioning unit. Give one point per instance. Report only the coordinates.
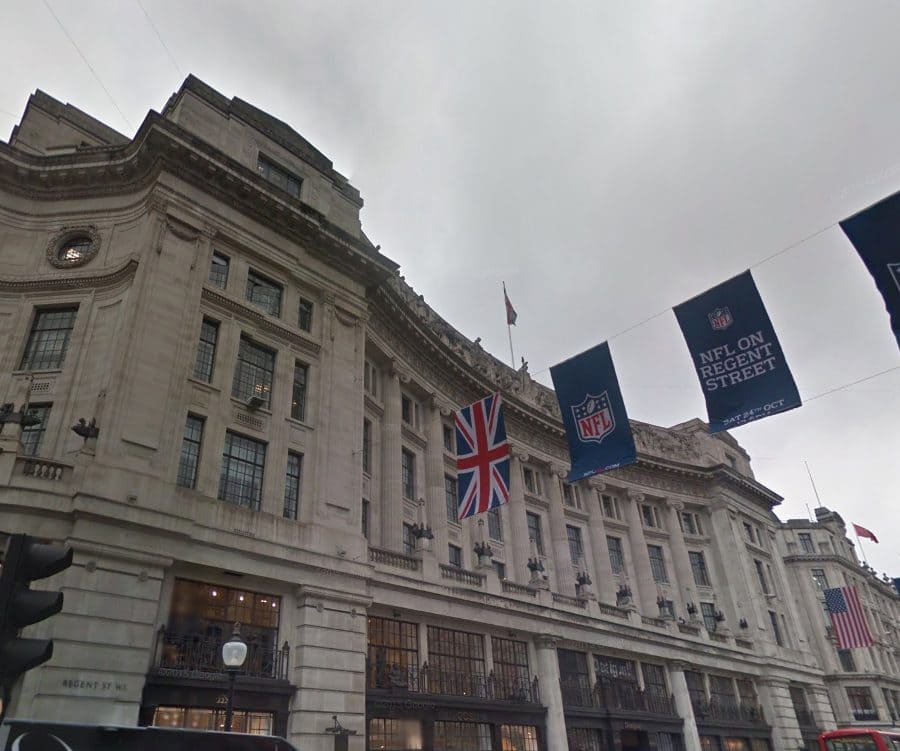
(254, 403)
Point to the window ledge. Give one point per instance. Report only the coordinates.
(204, 385)
(304, 424)
(46, 372)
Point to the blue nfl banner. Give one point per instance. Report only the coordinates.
(875, 233)
(742, 370)
(593, 413)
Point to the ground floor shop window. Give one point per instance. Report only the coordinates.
(669, 742)
(462, 736)
(586, 739)
(760, 744)
(395, 735)
(198, 718)
(709, 743)
(735, 744)
(519, 738)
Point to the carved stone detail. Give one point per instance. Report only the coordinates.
(67, 233)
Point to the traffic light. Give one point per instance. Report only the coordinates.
(26, 561)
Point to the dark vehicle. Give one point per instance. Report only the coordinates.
(28, 735)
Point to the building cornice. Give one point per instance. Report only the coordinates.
(61, 281)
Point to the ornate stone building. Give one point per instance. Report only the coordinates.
(864, 684)
(267, 409)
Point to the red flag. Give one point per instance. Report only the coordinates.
(847, 618)
(511, 314)
(863, 532)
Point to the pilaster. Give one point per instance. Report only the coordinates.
(684, 706)
(518, 526)
(562, 560)
(778, 708)
(391, 480)
(603, 576)
(551, 693)
(643, 580)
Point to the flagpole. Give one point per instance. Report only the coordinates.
(859, 543)
(512, 355)
(812, 482)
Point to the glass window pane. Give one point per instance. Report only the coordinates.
(243, 463)
(49, 339)
(253, 373)
(190, 452)
(33, 435)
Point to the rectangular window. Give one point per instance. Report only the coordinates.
(495, 528)
(500, 568)
(698, 567)
(532, 482)
(649, 515)
(449, 439)
(243, 463)
(610, 507)
(512, 677)
(305, 315)
(49, 339)
(370, 379)
(845, 656)
(657, 564)
(861, 703)
(819, 578)
(586, 739)
(409, 539)
(761, 575)
(455, 736)
(206, 350)
(570, 495)
(456, 659)
(408, 474)
(519, 737)
(691, 523)
(534, 530)
(654, 679)
(190, 452)
(292, 485)
(364, 521)
(576, 549)
(806, 542)
(615, 669)
(721, 691)
(696, 687)
(278, 176)
(298, 390)
(393, 652)
(253, 373)
(264, 293)
(451, 498)
(367, 446)
(708, 611)
(776, 629)
(406, 410)
(33, 435)
(455, 555)
(748, 531)
(616, 558)
(574, 678)
(218, 270)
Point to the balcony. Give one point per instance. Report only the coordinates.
(728, 711)
(865, 715)
(438, 682)
(614, 698)
(197, 656)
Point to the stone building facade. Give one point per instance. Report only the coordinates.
(863, 684)
(272, 404)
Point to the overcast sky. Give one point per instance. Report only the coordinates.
(608, 160)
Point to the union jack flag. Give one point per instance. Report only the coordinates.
(482, 457)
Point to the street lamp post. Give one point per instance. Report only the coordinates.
(234, 652)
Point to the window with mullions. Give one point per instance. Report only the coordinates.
(845, 656)
(395, 734)
(819, 578)
(576, 548)
(698, 567)
(776, 630)
(657, 564)
(298, 390)
(616, 556)
(451, 498)
(201, 718)
(574, 678)
(747, 692)
(650, 516)
(721, 691)
(570, 495)
(454, 554)
(806, 542)
(495, 528)
(861, 703)
(408, 474)
(409, 539)
(519, 737)
(243, 463)
(218, 270)
(586, 739)
(456, 659)
(49, 339)
(206, 350)
(462, 736)
(532, 481)
(654, 679)
(761, 575)
(610, 507)
(449, 435)
(691, 524)
(500, 568)
(708, 611)
(264, 293)
(615, 669)
(189, 460)
(512, 677)
(33, 435)
(292, 485)
(367, 446)
(393, 647)
(278, 176)
(305, 315)
(253, 373)
(364, 521)
(696, 687)
(534, 530)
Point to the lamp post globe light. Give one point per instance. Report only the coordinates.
(234, 653)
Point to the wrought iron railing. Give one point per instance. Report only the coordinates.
(393, 558)
(432, 680)
(729, 711)
(613, 697)
(865, 715)
(184, 655)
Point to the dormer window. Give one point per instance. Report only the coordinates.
(278, 176)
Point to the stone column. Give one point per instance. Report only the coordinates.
(684, 706)
(604, 585)
(551, 694)
(518, 526)
(562, 559)
(684, 575)
(779, 712)
(391, 479)
(734, 589)
(434, 478)
(643, 576)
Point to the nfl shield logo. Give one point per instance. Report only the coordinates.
(594, 419)
(894, 271)
(720, 319)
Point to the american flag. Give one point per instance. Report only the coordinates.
(482, 457)
(847, 618)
